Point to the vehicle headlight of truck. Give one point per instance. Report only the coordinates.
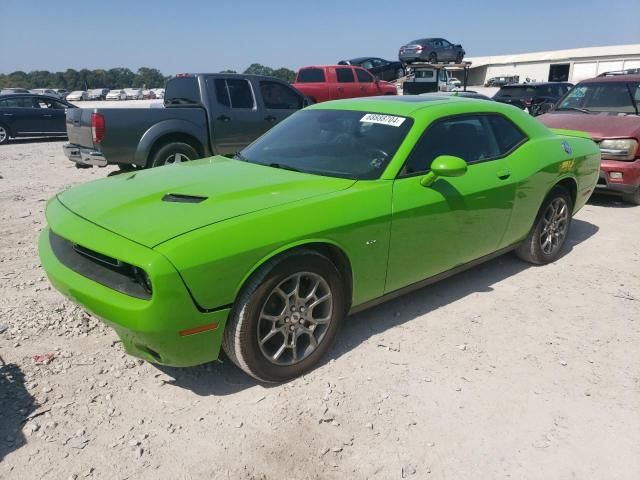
(620, 149)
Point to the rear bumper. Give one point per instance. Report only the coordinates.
(83, 155)
(167, 329)
(629, 172)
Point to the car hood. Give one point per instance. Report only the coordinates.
(598, 125)
(138, 205)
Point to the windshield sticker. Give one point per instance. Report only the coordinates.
(382, 119)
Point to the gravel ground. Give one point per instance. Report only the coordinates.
(504, 371)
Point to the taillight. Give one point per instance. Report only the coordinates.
(97, 127)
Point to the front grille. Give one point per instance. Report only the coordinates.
(108, 271)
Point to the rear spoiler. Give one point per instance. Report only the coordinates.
(571, 133)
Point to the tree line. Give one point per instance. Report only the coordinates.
(113, 78)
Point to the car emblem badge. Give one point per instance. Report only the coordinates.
(567, 147)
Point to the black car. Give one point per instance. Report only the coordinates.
(501, 81)
(461, 93)
(432, 50)
(380, 68)
(29, 115)
(537, 98)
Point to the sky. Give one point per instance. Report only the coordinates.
(209, 36)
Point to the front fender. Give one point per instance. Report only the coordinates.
(163, 128)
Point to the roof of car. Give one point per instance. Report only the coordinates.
(361, 59)
(20, 95)
(535, 84)
(392, 104)
(613, 79)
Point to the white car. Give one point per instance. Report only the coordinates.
(78, 95)
(454, 82)
(159, 92)
(117, 94)
(134, 93)
(45, 91)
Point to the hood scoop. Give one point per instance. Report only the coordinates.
(182, 198)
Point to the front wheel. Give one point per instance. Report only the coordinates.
(633, 198)
(4, 134)
(459, 58)
(549, 233)
(286, 317)
(433, 58)
(172, 154)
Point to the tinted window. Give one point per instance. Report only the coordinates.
(602, 97)
(47, 103)
(468, 137)
(17, 102)
(182, 91)
(310, 75)
(336, 143)
(344, 75)
(363, 76)
(278, 96)
(506, 133)
(234, 93)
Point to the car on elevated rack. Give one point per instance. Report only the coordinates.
(381, 69)
(432, 50)
(343, 205)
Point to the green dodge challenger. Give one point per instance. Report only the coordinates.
(341, 206)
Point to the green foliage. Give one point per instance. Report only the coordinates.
(281, 73)
(79, 80)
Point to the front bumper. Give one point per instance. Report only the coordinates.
(168, 329)
(630, 172)
(84, 156)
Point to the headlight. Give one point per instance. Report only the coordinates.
(624, 149)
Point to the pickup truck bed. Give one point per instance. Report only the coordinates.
(203, 115)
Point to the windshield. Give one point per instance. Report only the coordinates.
(335, 143)
(516, 92)
(617, 97)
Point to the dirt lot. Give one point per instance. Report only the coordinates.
(505, 371)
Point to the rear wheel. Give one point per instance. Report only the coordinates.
(633, 198)
(172, 154)
(4, 134)
(286, 317)
(433, 58)
(548, 235)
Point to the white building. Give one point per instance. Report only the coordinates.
(559, 65)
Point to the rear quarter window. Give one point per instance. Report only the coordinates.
(182, 91)
(311, 75)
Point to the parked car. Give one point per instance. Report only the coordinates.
(459, 93)
(98, 93)
(424, 78)
(117, 94)
(78, 95)
(148, 94)
(607, 108)
(9, 91)
(381, 69)
(30, 115)
(159, 92)
(333, 82)
(134, 93)
(535, 98)
(501, 81)
(204, 114)
(337, 209)
(432, 50)
(44, 91)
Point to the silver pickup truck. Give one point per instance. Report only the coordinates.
(202, 115)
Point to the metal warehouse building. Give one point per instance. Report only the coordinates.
(560, 65)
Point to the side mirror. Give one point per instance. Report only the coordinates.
(306, 101)
(444, 166)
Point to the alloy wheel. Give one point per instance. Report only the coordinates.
(554, 227)
(3, 134)
(176, 158)
(294, 318)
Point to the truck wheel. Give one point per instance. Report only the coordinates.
(546, 238)
(286, 317)
(4, 134)
(173, 153)
(633, 198)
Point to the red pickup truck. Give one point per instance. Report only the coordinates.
(333, 82)
(607, 108)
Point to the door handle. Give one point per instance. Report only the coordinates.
(503, 174)
(270, 118)
(362, 89)
(47, 116)
(340, 89)
(223, 118)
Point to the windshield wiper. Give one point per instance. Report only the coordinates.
(583, 110)
(283, 167)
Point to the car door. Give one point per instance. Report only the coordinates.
(457, 219)
(347, 87)
(53, 115)
(366, 83)
(21, 116)
(238, 120)
(279, 101)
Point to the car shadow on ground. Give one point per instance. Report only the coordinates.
(23, 140)
(16, 404)
(611, 201)
(224, 378)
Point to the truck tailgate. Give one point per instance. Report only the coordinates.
(79, 126)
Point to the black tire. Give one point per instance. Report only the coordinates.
(533, 249)
(433, 58)
(4, 134)
(161, 156)
(241, 342)
(459, 58)
(632, 198)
